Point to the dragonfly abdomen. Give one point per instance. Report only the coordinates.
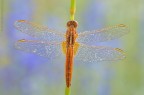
(69, 65)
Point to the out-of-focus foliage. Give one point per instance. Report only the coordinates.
(27, 74)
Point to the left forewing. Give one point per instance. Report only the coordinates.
(39, 31)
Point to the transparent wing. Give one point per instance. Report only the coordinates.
(40, 48)
(92, 54)
(38, 31)
(104, 34)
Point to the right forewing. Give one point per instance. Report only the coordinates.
(102, 35)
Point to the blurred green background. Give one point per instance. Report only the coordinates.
(27, 74)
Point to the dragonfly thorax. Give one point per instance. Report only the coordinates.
(71, 33)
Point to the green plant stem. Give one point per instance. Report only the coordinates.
(67, 91)
(72, 9)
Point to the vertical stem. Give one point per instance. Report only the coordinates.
(72, 9)
(67, 91)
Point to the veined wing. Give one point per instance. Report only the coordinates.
(38, 31)
(40, 48)
(104, 34)
(92, 54)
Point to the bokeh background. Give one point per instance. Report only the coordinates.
(22, 73)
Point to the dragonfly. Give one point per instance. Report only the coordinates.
(73, 45)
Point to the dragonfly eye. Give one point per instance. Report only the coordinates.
(72, 23)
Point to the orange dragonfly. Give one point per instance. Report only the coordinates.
(53, 43)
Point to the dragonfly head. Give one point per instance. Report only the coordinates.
(72, 24)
